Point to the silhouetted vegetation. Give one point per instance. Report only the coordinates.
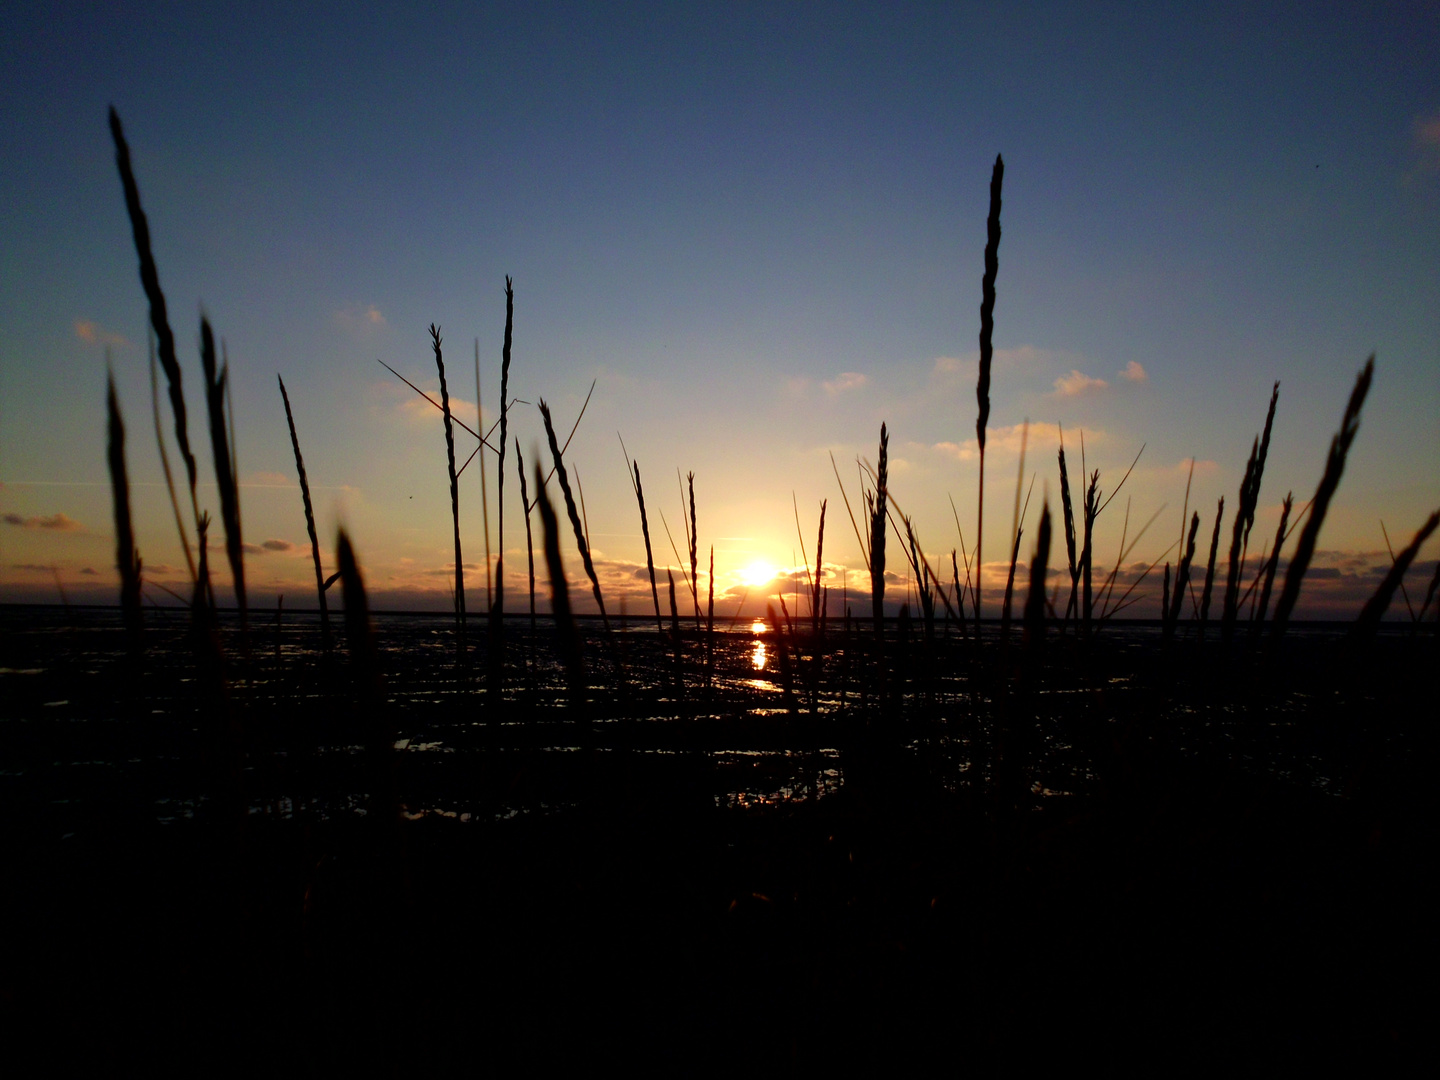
(876, 844)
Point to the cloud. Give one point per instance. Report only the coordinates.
(1134, 372)
(93, 334)
(360, 319)
(846, 380)
(1019, 355)
(1077, 383)
(416, 408)
(54, 522)
(31, 566)
(278, 545)
(89, 571)
(1042, 438)
(1204, 469)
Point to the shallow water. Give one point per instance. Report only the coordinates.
(88, 732)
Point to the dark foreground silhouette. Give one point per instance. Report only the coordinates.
(1146, 854)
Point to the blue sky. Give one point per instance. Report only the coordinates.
(759, 227)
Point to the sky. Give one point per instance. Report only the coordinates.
(758, 229)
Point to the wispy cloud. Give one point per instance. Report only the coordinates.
(1005, 441)
(267, 546)
(420, 411)
(846, 380)
(93, 334)
(1018, 356)
(53, 522)
(1203, 468)
(360, 319)
(1077, 383)
(1135, 372)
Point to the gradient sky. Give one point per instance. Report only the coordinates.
(760, 229)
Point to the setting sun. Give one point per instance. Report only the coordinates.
(757, 574)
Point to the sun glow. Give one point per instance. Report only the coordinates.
(757, 574)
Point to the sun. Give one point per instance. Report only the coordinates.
(757, 574)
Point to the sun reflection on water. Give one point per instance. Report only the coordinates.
(757, 654)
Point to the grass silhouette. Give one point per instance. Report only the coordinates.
(865, 847)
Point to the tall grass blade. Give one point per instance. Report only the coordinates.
(1430, 593)
(649, 553)
(497, 615)
(1210, 566)
(1090, 510)
(1260, 461)
(529, 540)
(165, 461)
(1274, 560)
(1237, 534)
(1375, 607)
(309, 519)
(1245, 517)
(558, 470)
(694, 545)
(1069, 512)
(1182, 579)
(1329, 481)
(710, 623)
(1404, 592)
(159, 320)
(1039, 571)
(484, 489)
(859, 538)
(877, 537)
(225, 478)
(127, 559)
(567, 639)
(987, 352)
(435, 344)
(820, 571)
